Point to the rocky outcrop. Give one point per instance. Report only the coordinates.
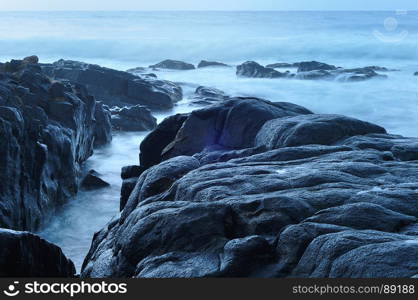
(283, 193)
(310, 70)
(103, 129)
(92, 181)
(283, 65)
(255, 70)
(206, 95)
(117, 88)
(47, 130)
(134, 118)
(173, 65)
(205, 63)
(23, 254)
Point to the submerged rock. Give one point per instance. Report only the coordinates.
(281, 193)
(307, 66)
(92, 181)
(205, 63)
(207, 95)
(117, 88)
(47, 130)
(283, 65)
(23, 254)
(173, 64)
(255, 70)
(134, 118)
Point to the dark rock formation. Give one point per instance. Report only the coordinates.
(173, 65)
(114, 87)
(207, 95)
(103, 130)
(134, 118)
(252, 188)
(92, 181)
(205, 63)
(255, 70)
(416, 74)
(283, 65)
(47, 130)
(307, 66)
(23, 254)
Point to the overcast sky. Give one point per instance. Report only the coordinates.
(208, 5)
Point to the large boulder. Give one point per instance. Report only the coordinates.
(207, 95)
(255, 70)
(117, 88)
(205, 63)
(23, 254)
(134, 118)
(173, 65)
(92, 181)
(225, 125)
(307, 66)
(308, 201)
(47, 130)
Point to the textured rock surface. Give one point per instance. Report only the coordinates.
(310, 195)
(205, 63)
(173, 64)
(207, 95)
(117, 88)
(23, 254)
(92, 181)
(134, 118)
(47, 129)
(255, 70)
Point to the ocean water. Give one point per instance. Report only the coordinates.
(123, 40)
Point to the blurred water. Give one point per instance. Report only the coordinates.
(124, 40)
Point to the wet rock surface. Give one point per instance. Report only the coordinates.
(300, 195)
(23, 254)
(92, 181)
(134, 118)
(117, 88)
(205, 63)
(255, 70)
(173, 65)
(47, 130)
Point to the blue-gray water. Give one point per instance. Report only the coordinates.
(124, 40)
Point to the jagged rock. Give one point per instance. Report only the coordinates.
(134, 118)
(173, 64)
(131, 171)
(117, 88)
(47, 130)
(296, 194)
(23, 254)
(103, 130)
(92, 181)
(307, 66)
(207, 95)
(255, 70)
(205, 63)
(283, 65)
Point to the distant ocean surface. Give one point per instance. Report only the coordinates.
(124, 40)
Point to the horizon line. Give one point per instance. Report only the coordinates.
(210, 10)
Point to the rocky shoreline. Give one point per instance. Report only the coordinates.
(282, 193)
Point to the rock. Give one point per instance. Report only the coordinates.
(131, 171)
(295, 195)
(225, 125)
(255, 70)
(92, 181)
(207, 95)
(31, 60)
(416, 74)
(103, 130)
(117, 88)
(307, 66)
(283, 65)
(312, 129)
(47, 131)
(134, 118)
(23, 254)
(173, 65)
(205, 63)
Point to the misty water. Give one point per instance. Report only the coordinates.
(123, 40)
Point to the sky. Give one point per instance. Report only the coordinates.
(208, 5)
